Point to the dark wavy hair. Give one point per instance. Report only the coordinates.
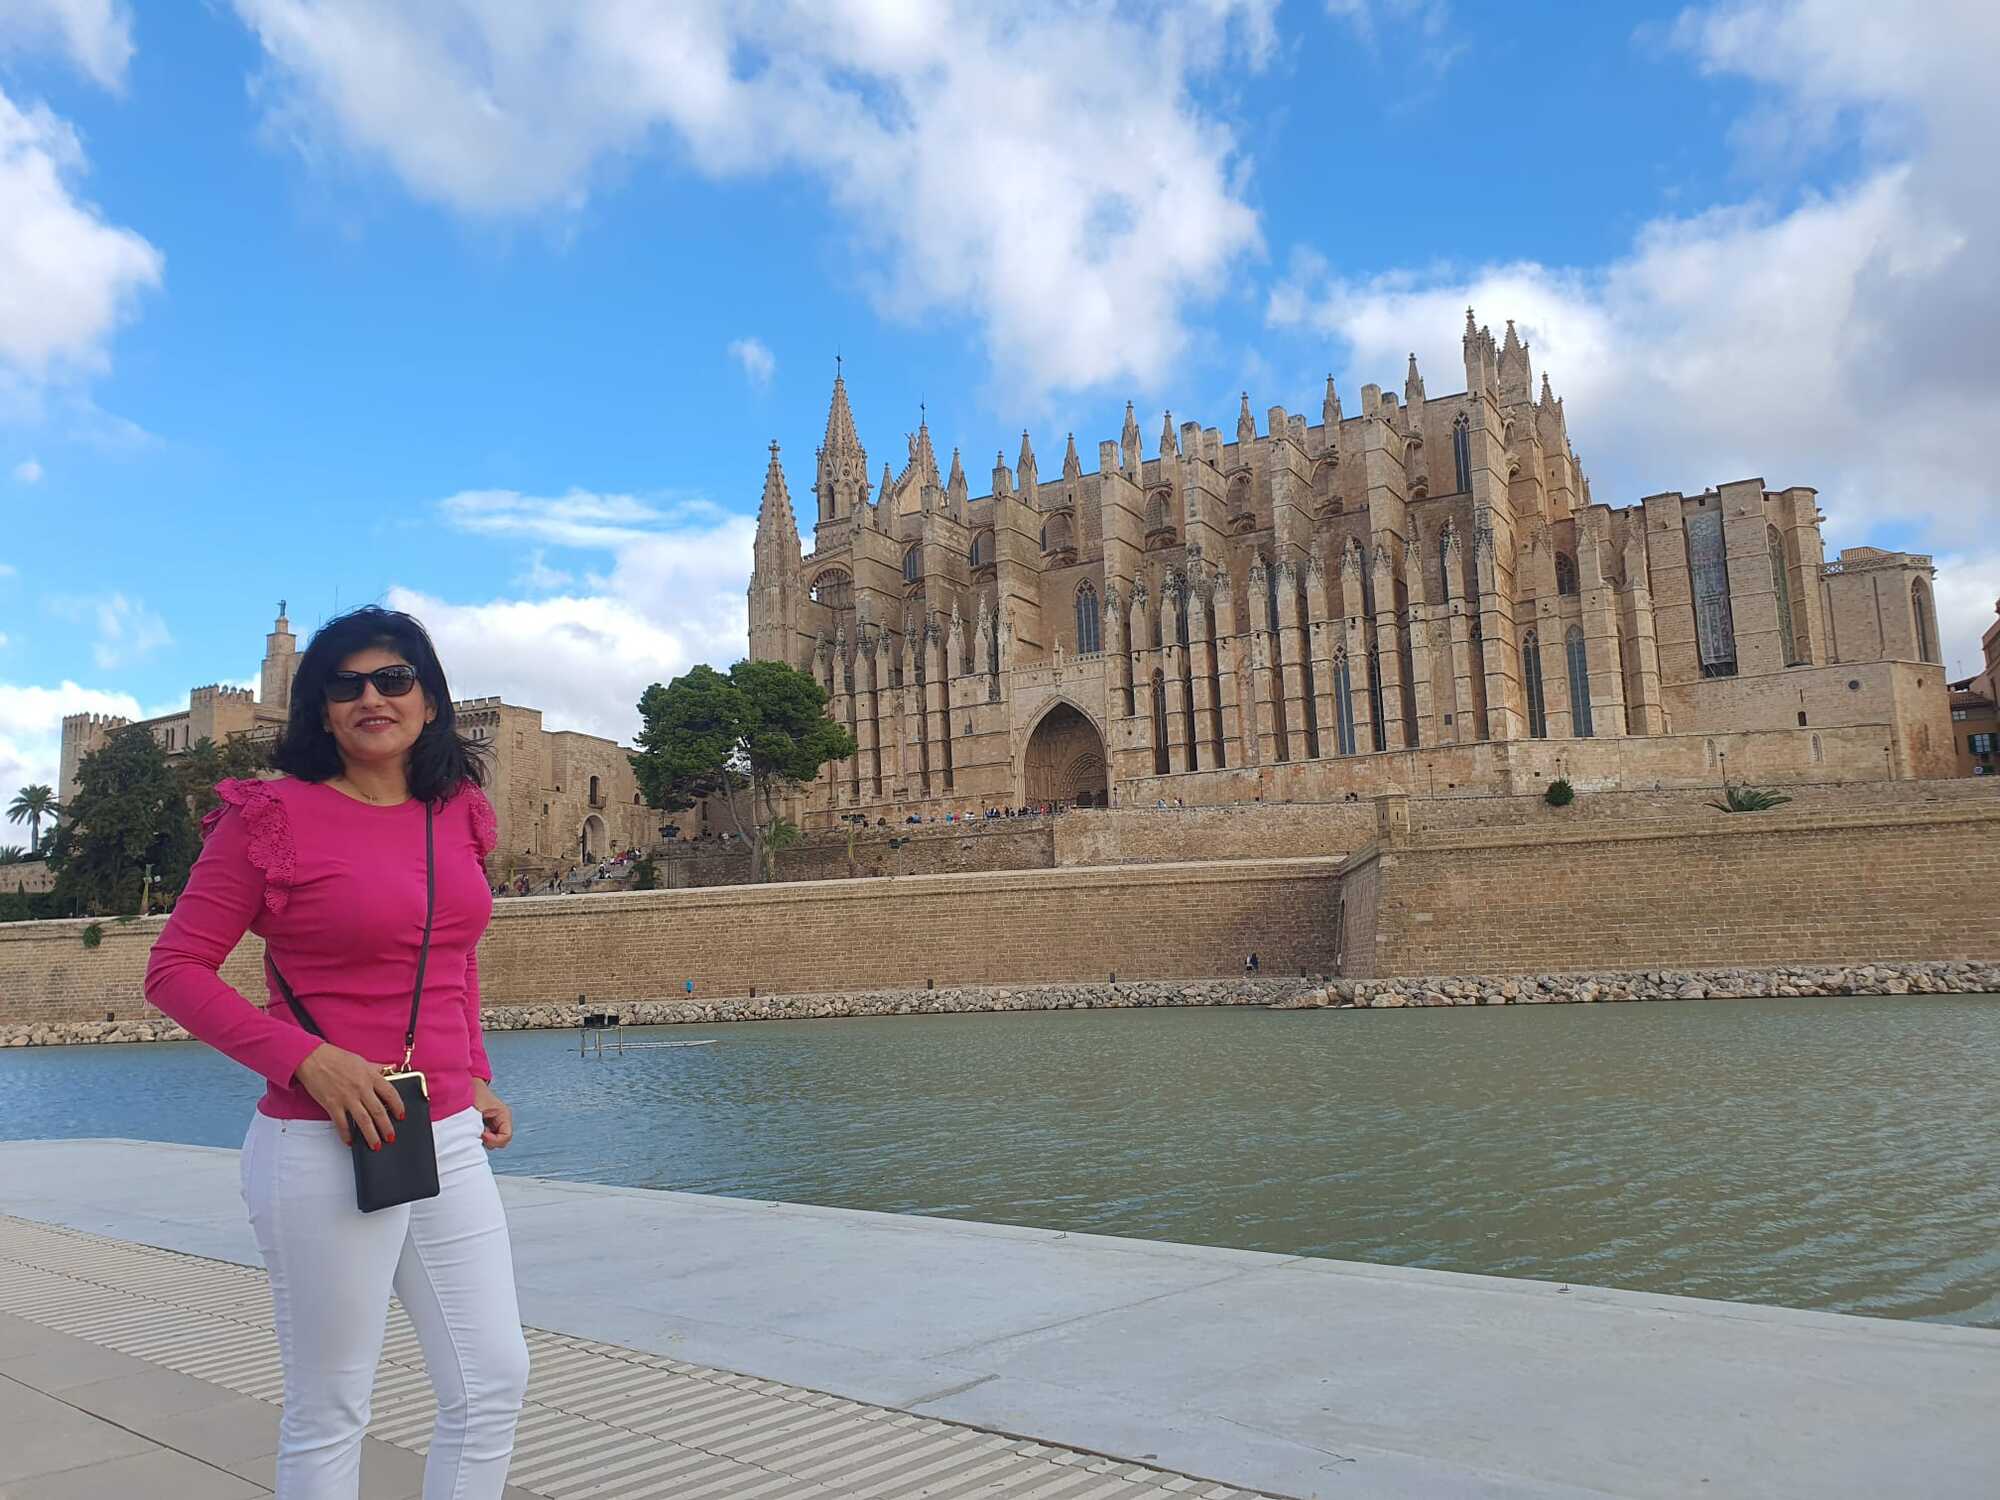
(442, 759)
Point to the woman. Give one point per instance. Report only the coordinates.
(327, 865)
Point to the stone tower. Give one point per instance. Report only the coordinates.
(281, 664)
(774, 571)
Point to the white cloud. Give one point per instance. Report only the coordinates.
(758, 362)
(31, 730)
(1422, 28)
(28, 471)
(7, 570)
(126, 629)
(97, 34)
(1841, 339)
(1044, 168)
(67, 278)
(671, 594)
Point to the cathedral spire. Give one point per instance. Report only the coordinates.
(1246, 425)
(1025, 473)
(1072, 465)
(1413, 386)
(882, 496)
(774, 515)
(1128, 441)
(1169, 446)
(1329, 409)
(842, 481)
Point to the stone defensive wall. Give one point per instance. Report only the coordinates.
(1247, 830)
(1163, 921)
(1861, 874)
(1827, 883)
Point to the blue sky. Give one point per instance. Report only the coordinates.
(490, 310)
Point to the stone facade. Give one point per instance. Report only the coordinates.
(30, 877)
(1420, 592)
(563, 798)
(1975, 711)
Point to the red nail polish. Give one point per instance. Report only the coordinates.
(391, 1137)
(377, 1146)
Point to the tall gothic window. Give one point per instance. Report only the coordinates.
(1159, 722)
(913, 564)
(982, 550)
(1782, 587)
(1089, 632)
(1531, 683)
(1181, 613)
(1565, 573)
(1920, 605)
(1461, 451)
(1579, 683)
(1271, 596)
(1444, 561)
(1708, 576)
(1343, 706)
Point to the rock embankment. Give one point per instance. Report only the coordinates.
(957, 1001)
(1954, 978)
(1959, 977)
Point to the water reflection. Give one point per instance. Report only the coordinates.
(1829, 1154)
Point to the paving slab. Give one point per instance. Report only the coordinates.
(1287, 1375)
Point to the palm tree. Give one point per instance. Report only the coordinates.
(30, 806)
(12, 854)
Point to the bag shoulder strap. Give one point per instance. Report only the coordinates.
(423, 954)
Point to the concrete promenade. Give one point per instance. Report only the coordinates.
(1261, 1373)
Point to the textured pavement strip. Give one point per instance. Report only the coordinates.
(599, 1421)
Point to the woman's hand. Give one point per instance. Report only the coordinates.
(351, 1088)
(494, 1112)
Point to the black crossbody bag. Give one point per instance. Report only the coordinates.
(405, 1169)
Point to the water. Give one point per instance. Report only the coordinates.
(1835, 1154)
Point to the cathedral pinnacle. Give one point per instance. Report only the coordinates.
(774, 515)
(1329, 409)
(1128, 439)
(1072, 465)
(1168, 443)
(1246, 425)
(1025, 472)
(1413, 385)
(955, 489)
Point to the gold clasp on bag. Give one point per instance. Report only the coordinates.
(406, 1071)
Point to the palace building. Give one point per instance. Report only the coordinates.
(1421, 595)
(563, 798)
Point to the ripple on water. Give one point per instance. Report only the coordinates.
(1828, 1153)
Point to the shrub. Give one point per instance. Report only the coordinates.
(1736, 799)
(645, 874)
(93, 934)
(1560, 793)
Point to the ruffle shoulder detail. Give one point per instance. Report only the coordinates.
(270, 843)
(485, 822)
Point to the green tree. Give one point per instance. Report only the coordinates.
(12, 854)
(748, 738)
(127, 816)
(204, 763)
(30, 805)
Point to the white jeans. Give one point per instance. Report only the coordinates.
(332, 1269)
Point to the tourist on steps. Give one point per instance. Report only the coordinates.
(379, 819)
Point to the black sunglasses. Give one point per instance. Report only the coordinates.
(390, 682)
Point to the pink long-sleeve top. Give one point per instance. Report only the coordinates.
(335, 887)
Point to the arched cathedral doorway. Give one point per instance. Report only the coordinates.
(593, 840)
(1065, 761)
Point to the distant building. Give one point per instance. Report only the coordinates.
(563, 798)
(1975, 711)
(1420, 595)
